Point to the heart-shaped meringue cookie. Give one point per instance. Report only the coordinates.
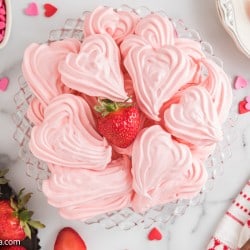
(40, 65)
(194, 179)
(82, 193)
(35, 112)
(194, 120)
(67, 135)
(158, 167)
(157, 75)
(95, 70)
(104, 20)
(219, 87)
(156, 30)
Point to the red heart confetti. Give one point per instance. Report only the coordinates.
(50, 9)
(248, 223)
(240, 82)
(31, 10)
(242, 107)
(4, 82)
(154, 234)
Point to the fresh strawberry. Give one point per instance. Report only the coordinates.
(119, 123)
(13, 248)
(69, 239)
(15, 219)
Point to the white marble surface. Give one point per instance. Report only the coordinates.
(191, 231)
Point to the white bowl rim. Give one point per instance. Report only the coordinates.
(230, 25)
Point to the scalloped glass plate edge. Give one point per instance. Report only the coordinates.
(126, 218)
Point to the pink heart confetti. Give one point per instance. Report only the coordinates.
(31, 10)
(247, 105)
(4, 82)
(240, 82)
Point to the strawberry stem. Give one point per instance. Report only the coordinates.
(107, 106)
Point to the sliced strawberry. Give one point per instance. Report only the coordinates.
(119, 123)
(69, 239)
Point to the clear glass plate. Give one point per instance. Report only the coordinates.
(126, 218)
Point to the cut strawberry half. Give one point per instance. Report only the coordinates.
(69, 239)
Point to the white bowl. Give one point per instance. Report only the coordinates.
(235, 17)
(8, 24)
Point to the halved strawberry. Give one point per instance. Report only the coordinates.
(119, 123)
(69, 239)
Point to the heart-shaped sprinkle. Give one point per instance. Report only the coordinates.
(248, 223)
(31, 10)
(50, 9)
(242, 107)
(155, 234)
(240, 82)
(247, 105)
(4, 82)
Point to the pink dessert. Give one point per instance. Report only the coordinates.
(183, 98)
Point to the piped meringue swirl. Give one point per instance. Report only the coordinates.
(156, 30)
(95, 70)
(35, 112)
(100, 192)
(194, 120)
(157, 75)
(158, 163)
(40, 68)
(194, 180)
(104, 20)
(68, 135)
(219, 87)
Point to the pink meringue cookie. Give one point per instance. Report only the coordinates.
(194, 120)
(105, 20)
(130, 42)
(95, 70)
(153, 30)
(158, 167)
(202, 152)
(156, 30)
(157, 75)
(68, 137)
(219, 87)
(83, 193)
(35, 112)
(194, 180)
(192, 49)
(40, 63)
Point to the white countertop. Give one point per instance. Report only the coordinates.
(191, 231)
